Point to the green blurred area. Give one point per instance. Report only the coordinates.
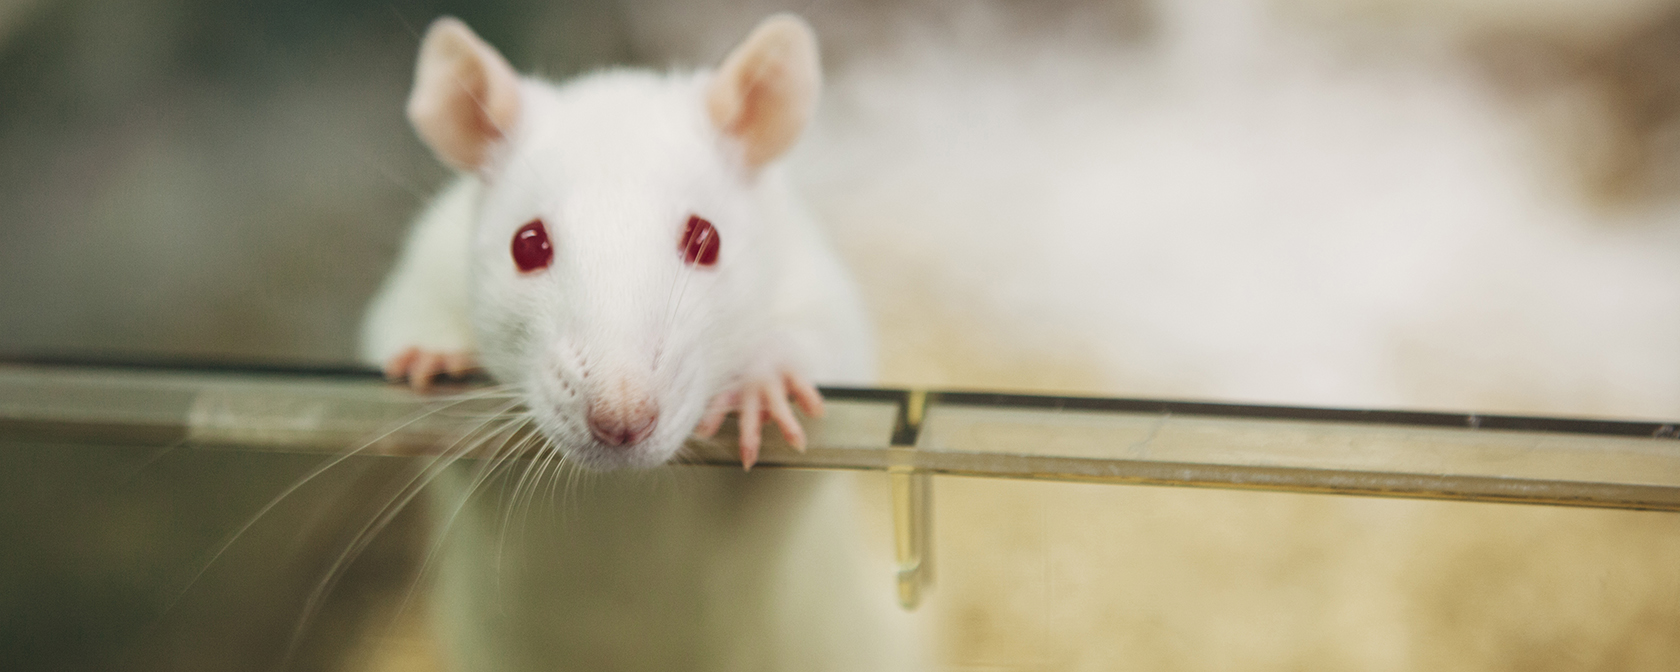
(224, 179)
(110, 558)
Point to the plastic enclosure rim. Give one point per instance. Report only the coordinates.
(1593, 463)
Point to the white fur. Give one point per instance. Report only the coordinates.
(680, 568)
(614, 163)
(423, 302)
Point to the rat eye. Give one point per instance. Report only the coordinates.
(531, 251)
(699, 245)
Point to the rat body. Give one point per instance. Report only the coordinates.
(623, 252)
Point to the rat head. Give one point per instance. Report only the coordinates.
(624, 234)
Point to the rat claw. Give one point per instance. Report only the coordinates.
(420, 367)
(751, 419)
(459, 364)
(425, 367)
(759, 398)
(396, 368)
(783, 415)
(720, 407)
(804, 393)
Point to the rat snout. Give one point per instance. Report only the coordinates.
(623, 416)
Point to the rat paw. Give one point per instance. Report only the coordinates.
(420, 367)
(760, 397)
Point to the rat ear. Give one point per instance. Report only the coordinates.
(466, 96)
(765, 91)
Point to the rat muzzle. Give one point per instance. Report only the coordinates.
(622, 413)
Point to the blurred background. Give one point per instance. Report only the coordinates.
(1449, 204)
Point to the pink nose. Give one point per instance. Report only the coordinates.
(624, 423)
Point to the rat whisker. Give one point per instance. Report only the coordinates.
(463, 445)
(559, 492)
(545, 481)
(507, 517)
(153, 459)
(569, 497)
(238, 532)
(508, 430)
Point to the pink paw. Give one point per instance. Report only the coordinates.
(419, 367)
(760, 397)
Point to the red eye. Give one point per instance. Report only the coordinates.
(699, 242)
(531, 251)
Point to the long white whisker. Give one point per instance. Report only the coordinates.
(153, 459)
(363, 537)
(510, 428)
(507, 517)
(560, 471)
(306, 478)
(539, 484)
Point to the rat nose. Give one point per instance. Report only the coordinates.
(622, 422)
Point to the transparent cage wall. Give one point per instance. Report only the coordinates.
(1031, 549)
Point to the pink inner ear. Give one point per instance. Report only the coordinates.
(466, 96)
(765, 91)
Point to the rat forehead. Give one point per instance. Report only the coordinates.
(615, 126)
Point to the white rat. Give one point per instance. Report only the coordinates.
(622, 337)
(622, 249)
